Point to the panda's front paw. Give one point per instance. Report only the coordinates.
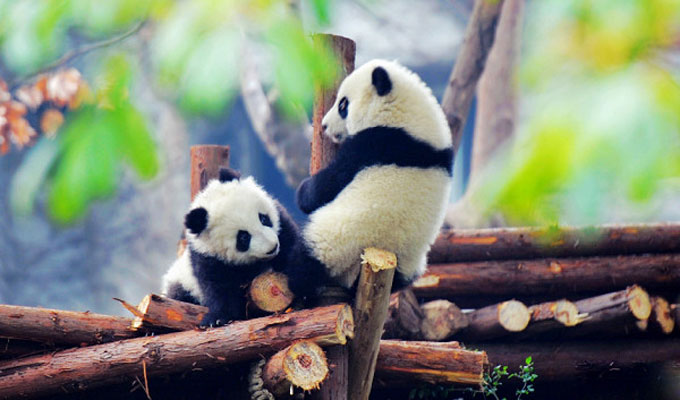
(213, 321)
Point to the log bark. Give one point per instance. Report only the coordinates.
(404, 316)
(618, 312)
(206, 160)
(88, 367)
(548, 276)
(157, 311)
(370, 312)
(662, 320)
(479, 37)
(675, 312)
(323, 149)
(322, 153)
(526, 243)
(62, 327)
(497, 320)
(569, 360)
(432, 362)
(301, 365)
(442, 319)
(269, 292)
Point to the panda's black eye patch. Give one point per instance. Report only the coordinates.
(342, 107)
(265, 220)
(242, 241)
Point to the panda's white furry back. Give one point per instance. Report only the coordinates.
(389, 185)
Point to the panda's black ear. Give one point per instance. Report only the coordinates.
(381, 81)
(228, 174)
(196, 220)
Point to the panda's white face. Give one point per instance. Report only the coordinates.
(384, 93)
(235, 221)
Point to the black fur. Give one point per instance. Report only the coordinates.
(228, 174)
(196, 220)
(176, 291)
(373, 146)
(381, 81)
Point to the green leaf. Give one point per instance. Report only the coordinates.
(31, 175)
(136, 143)
(321, 11)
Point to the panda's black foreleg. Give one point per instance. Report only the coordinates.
(176, 291)
(306, 275)
(225, 303)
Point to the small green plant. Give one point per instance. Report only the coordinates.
(492, 382)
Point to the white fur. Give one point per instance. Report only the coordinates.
(394, 208)
(410, 105)
(181, 272)
(234, 206)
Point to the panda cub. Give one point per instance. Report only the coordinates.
(234, 231)
(389, 184)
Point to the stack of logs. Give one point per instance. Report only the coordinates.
(581, 302)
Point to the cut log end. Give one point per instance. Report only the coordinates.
(662, 315)
(513, 315)
(639, 302)
(567, 313)
(346, 324)
(442, 319)
(378, 259)
(305, 365)
(269, 292)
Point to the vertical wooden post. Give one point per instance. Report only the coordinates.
(323, 152)
(370, 311)
(323, 149)
(206, 160)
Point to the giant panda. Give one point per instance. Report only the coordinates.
(234, 231)
(389, 184)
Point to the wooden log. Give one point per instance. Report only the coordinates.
(442, 319)
(548, 276)
(322, 153)
(617, 312)
(62, 327)
(269, 292)
(526, 243)
(370, 311)
(477, 42)
(569, 360)
(404, 316)
(157, 311)
(497, 320)
(432, 362)
(206, 160)
(88, 367)
(323, 149)
(14, 348)
(661, 319)
(675, 312)
(301, 365)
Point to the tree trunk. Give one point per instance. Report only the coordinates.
(269, 292)
(88, 367)
(62, 327)
(162, 312)
(569, 360)
(301, 365)
(524, 243)
(206, 160)
(442, 320)
(548, 276)
(370, 312)
(432, 362)
(479, 37)
(404, 316)
(497, 320)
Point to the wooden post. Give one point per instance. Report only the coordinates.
(442, 320)
(404, 316)
(323, 151)
(497, 320)
(370, 311)
(206, 160)
(301, 365)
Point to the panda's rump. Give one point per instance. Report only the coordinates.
(399, 209)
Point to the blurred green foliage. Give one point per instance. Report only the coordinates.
(601, 112)
(195, 49)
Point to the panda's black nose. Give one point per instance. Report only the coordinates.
(274, 250)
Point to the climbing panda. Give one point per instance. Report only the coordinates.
(389, 184)
(234, 231)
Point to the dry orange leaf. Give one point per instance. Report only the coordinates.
(30, 95)
(63, 86)
(50, 122)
